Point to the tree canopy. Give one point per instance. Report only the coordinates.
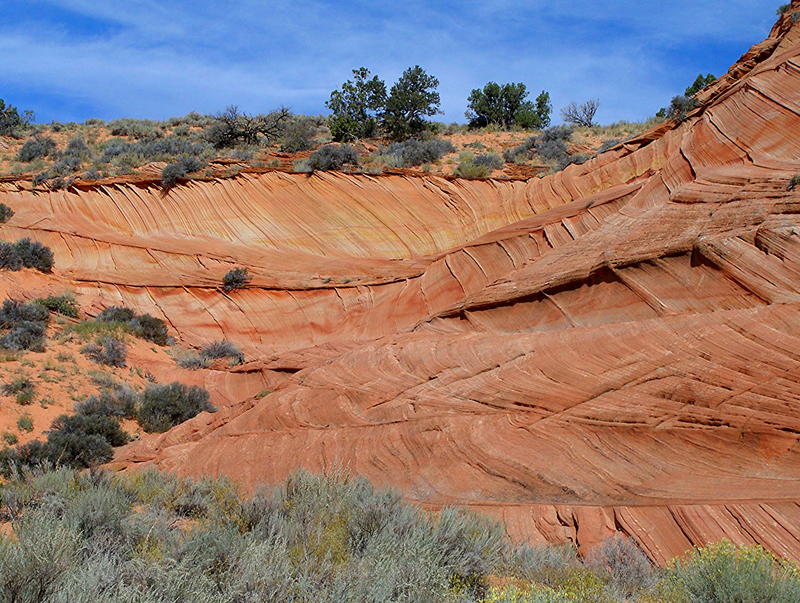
(506, 105)
(413, 97)
(701, 82)
(11, 120)
(356, 106)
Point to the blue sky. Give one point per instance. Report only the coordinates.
(69, 60)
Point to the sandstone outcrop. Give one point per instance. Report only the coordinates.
(612, 347)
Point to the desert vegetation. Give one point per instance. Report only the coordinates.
(12, 122)
(85, 435)
(88, 437)
(362, 108)
(145, 326)
(478, 166)
(237, 278)
(60, 304)
(330, 157)
(173, 172)
(413, 152)
(25, 254)
(24, 325)
(506, 106)
(216, 350)
(386, 127)
(371, 128)
(582, 114)
(152, 536)
(549, 148)
(107, 350)
(683, 103)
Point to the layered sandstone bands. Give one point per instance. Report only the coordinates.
(613, 347)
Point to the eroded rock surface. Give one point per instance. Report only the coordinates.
(613, 347)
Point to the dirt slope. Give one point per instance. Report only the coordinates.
(613, 347)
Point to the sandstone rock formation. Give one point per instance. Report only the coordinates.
(612, 347)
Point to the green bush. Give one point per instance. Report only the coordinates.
(9, 258)
(521, 152)
(34, 255)
(36, 148)
(97, 536)
(299, 135)
(13, 313)
(150, 328)
(505, 106)
(25, 336)
(25, 254)
(25, 325)
(551, 145)
(90, 424)
(126, 156)
(22, 389)
(60, 304)
(680, 106)
(489, 160)
(221, 349)
(793, 183)
(84, 439)
(356, 107)
(164, 406)
(6, 213)
(416, 152)
(77, 147)
(470, 169)
(578, 159)
(107, 350)
(118, 402)
(135, 128)
(116, 314)
(310, 539)
(333, 157)
(608, 144)
(173, 172)
(144, 326)
(17, 385)
(25, 398)
(701, 82)
(236, 279)
(11, 122)
(191, 360)
(25, 423)
(727, 572)
(412, 98)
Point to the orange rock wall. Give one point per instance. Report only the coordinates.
(613, 347)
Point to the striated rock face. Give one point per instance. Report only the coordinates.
(613, 347)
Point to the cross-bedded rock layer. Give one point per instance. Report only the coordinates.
(613, 347)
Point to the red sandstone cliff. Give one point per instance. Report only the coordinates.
(613, 347)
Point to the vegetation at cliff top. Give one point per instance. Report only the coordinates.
(58, 155)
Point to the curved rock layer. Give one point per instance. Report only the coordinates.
(613, 347)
